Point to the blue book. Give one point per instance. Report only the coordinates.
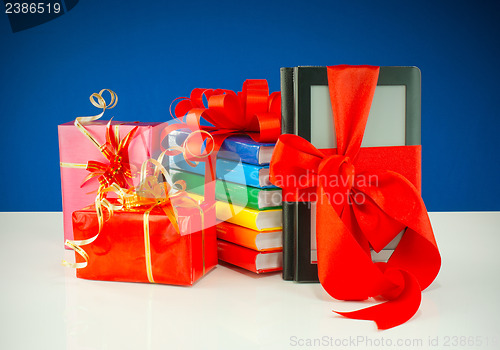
(229, 170)
(238, 147)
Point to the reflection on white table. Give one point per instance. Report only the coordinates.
(43, 304)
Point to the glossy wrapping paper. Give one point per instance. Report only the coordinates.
(118, 253)
(75, 150)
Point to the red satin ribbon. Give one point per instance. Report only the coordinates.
(376, 205)
(253, 111)
(118, 170)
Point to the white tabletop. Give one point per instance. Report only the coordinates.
(44, 306)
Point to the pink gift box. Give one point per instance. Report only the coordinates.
(75, 150)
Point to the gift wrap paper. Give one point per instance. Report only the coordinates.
(119, 252)
(75, 150)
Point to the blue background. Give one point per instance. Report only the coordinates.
(150, 52)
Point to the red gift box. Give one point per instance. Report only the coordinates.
(153, 232)
(120, 252)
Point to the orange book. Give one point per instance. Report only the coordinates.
(256, 240)
(252, 260)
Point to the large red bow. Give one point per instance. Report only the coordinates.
(253, 111)
(357, 212)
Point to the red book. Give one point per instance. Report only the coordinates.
(252, 260)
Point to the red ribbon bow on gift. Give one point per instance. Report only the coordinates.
(253, 111)
(118, 170)
(354, 216)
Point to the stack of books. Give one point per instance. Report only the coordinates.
(248, 206)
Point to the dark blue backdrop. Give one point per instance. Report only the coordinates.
(150, 52)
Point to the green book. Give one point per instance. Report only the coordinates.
(245, 196)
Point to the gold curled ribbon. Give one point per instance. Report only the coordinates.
(87, 133)
(150, 193)
(99, 103)
(117, 168)
(187, 153)
(76, 245)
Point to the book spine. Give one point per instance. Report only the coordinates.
(237, 234)
(236, 255)
(230, 149)
(242, 257)
(178, 162)
(237, 194)
(234, 150)
(246, 174)
(240, 216)
(225, 191)
(241, 173)
(194, 182)
(289, 208)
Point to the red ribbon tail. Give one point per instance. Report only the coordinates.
(394, 312)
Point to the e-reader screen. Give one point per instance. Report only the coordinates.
(386, 126)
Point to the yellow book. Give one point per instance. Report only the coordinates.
(259, 220)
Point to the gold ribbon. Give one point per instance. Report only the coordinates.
(89, 135)
(98, 101)
(76, 245)
(72, 165)
(111, 149)
(188, 155)
(149, 193)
